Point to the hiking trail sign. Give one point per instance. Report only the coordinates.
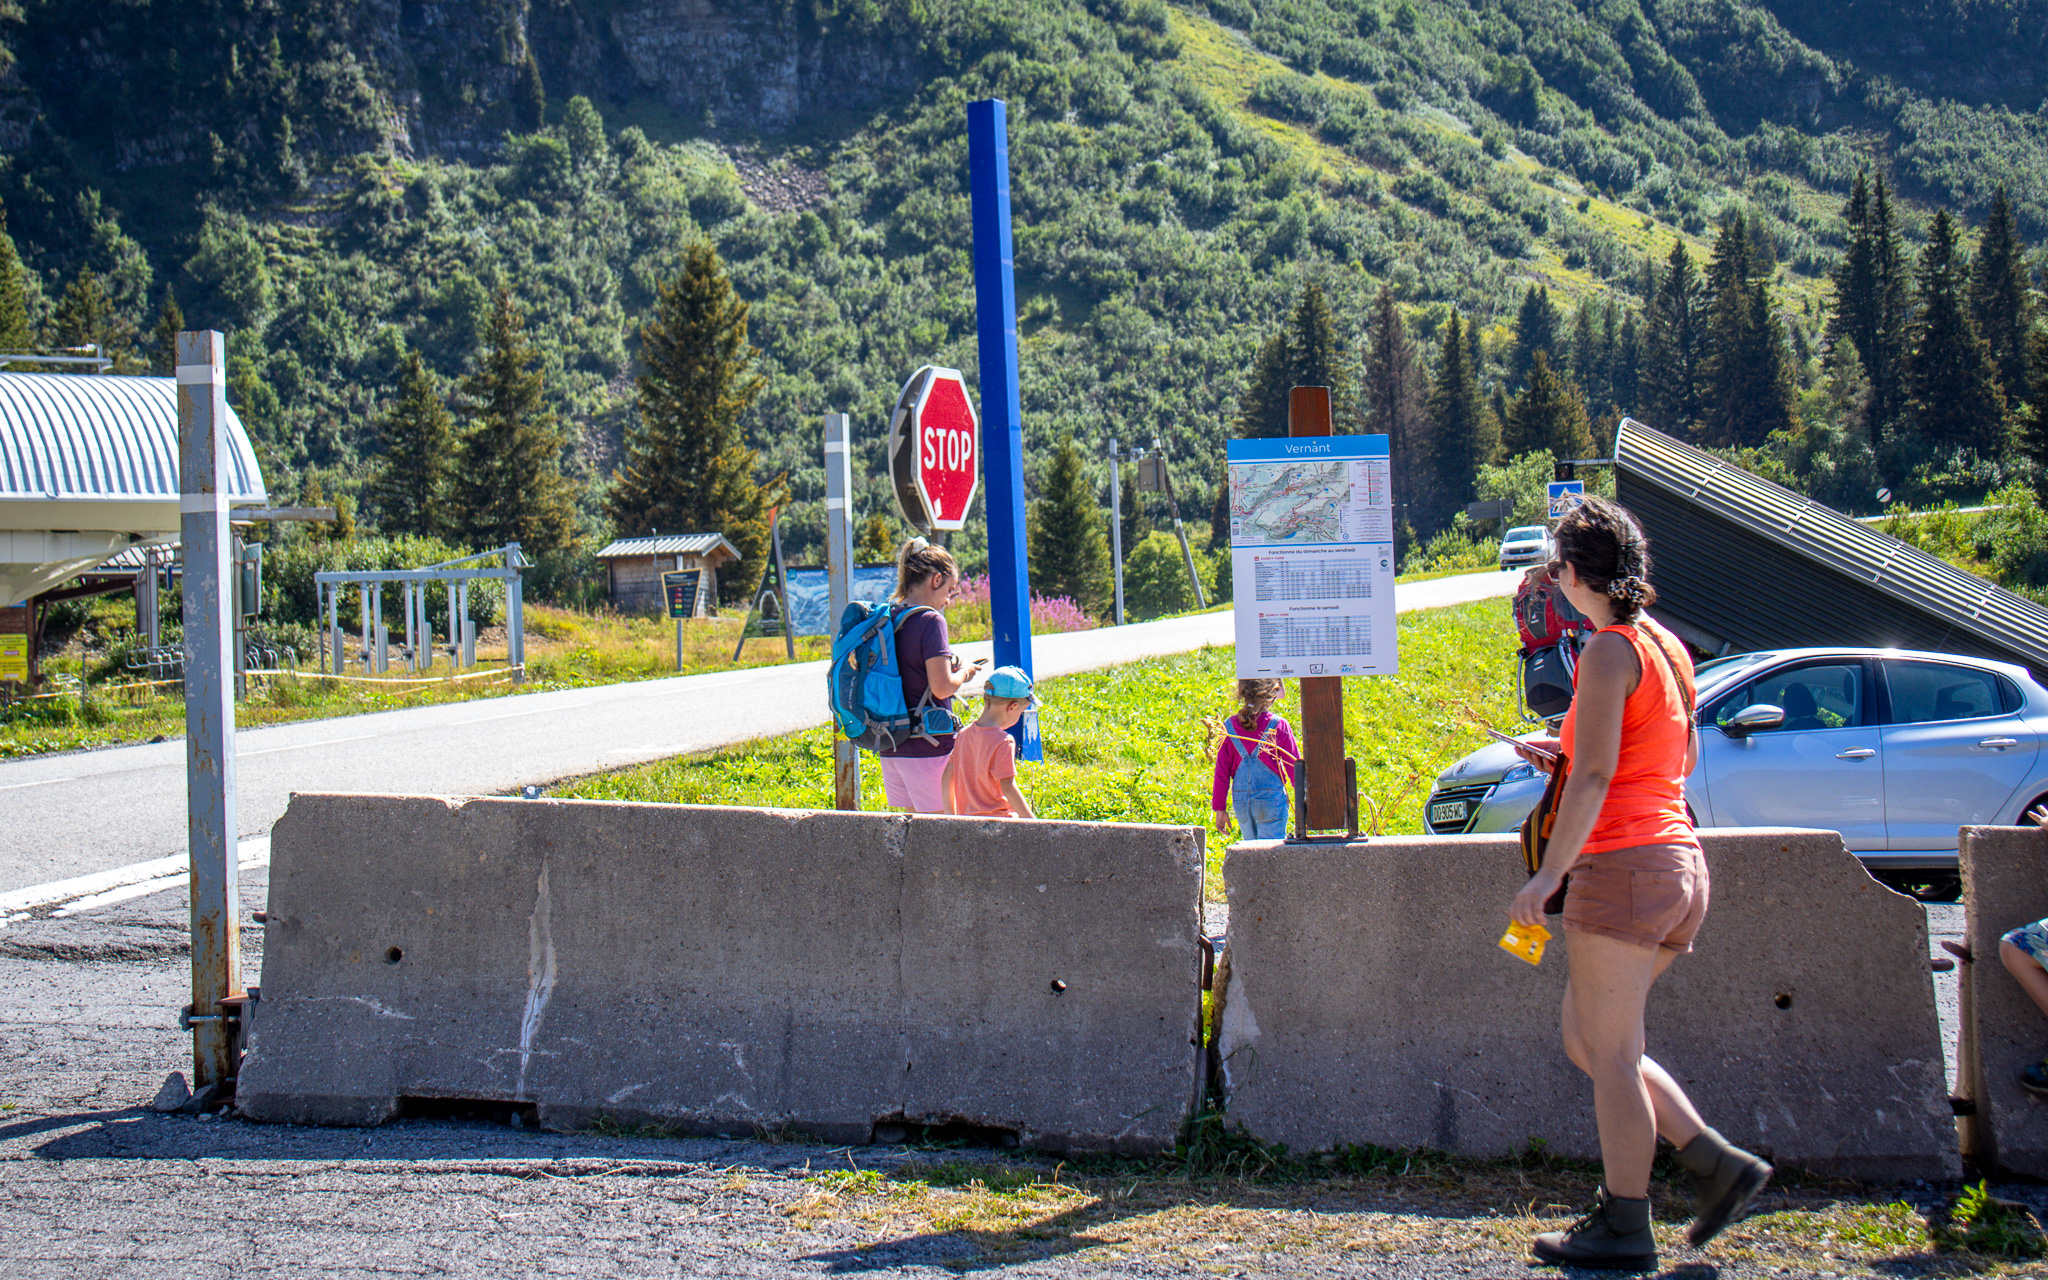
(934, 449)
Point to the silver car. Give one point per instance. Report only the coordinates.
(1520, 548)
(1894, 749)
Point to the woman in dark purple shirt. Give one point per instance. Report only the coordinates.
(926, 576)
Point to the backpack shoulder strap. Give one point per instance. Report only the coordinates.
(1684, 693)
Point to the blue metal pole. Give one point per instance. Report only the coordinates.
(1002, 411)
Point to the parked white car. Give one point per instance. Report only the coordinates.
(1520, 548)
(1893, 748)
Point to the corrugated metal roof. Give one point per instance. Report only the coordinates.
(97, 437)
(669, 544)
(1876, 562)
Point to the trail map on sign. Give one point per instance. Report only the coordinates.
(1312, 556)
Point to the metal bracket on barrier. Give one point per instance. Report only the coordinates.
(1300, 833)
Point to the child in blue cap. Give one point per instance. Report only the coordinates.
(981, 774)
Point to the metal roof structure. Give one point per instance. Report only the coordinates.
(669, 544)
(88, 466)
(1741, 563)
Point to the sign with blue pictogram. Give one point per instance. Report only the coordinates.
(1564, 495)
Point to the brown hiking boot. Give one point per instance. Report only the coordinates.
(1725, 1179)
(1615, 1235)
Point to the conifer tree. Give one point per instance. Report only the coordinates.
(529, 95)
(17, 333)
(1307, 353)
(1746, 377)
(1548, 415)
(1999, 299)
(1873, 297)
(687, 468)
(1219, 513)
(1952, 397)
(1625, 389)
(1466, 435)
(1137, 522)
(163, 338)
(1069, 535)
(509, 487)
(1586, 364)
(1535, 330)
(86, 316)
(2034, 426)
(417, 436)
(1674, 334)
(1395, 391)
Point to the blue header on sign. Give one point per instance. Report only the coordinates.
(1307, 448)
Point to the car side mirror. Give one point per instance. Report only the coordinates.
(1754, 720)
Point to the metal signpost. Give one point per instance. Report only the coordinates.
(1002, 423)
(679, 587)
(211, 815)
(1311, 550)
(839, 577)
(1116, 526)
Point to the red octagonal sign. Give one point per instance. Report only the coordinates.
(934, 449)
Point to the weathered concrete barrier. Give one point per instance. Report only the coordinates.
(2005, 885)
(1369, 1004)
(729, 970)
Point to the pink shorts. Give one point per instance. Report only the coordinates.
(912, 782)
(1653, 895)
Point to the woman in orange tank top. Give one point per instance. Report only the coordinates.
(1637, 893)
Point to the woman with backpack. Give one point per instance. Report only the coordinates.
(1636, 896)
(926, 578)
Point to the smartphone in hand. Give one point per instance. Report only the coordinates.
(1519, 744)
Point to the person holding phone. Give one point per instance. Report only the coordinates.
(926, 577)
(1637, 894)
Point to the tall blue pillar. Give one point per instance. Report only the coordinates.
(1002, 412)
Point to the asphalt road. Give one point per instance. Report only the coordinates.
(86, 812)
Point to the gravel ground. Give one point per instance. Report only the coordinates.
(93, 1183)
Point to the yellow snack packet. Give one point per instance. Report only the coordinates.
(1525, 942)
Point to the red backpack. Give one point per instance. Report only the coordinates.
(1552, 631)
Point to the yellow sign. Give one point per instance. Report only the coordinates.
(13, 657)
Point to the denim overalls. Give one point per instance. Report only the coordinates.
(1257, 795)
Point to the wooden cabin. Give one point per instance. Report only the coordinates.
(633, 569)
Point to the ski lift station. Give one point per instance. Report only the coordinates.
(89, 469)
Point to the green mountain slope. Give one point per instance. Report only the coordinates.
(340, 184)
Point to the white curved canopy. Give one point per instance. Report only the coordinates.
(89, 466)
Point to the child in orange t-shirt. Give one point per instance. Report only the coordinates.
(981, 774)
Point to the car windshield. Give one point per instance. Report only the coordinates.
(1524, 535)
(1715, 671)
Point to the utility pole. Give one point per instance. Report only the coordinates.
(1173, 505)
(1116, 527)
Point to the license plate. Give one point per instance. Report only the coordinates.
(1447, 813)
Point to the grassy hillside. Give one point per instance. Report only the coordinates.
(1180, 171)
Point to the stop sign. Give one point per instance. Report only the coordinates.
(934, 449)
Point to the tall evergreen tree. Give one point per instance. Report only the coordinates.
(1069, 542)
(1130, 500)
(17, 332)
(86, 316)
(1873, 297)
(1674, 341)
(1536, 329)
(1587, 368)
(1626, 384)
(1952, 397)
(1395, 390)
(417, 436)
(687, 468)
(1466, 435)
(510, 487)
(2034, 426)
(1307, 353)
(1745, 371)
(1548, 415)
(163, 338)
(2000, 301)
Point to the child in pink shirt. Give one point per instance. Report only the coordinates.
(981, 774)
(1255, 758)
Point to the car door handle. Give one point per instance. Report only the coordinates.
(1999, 744)
(1856, 753)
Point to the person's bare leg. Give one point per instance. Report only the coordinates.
(1610, 984)
(2033, 979)
(1676, 1119)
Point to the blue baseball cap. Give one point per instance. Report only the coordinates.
(1010, 682)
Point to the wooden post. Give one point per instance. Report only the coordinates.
(1322, 697)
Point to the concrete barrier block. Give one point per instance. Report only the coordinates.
(2005, 883)
(723, 970)
(1369, 1004)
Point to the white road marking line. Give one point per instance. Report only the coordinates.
(306, 746)
(46, 782)
(512, 715)
(251, 852)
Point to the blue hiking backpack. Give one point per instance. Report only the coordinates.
(864, 682)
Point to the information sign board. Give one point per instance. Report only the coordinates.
(1312, 556)
(1564, 495)
(14, 624)
(680, 587)
(810, 595)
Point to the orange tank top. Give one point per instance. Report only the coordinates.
(1646, 801)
